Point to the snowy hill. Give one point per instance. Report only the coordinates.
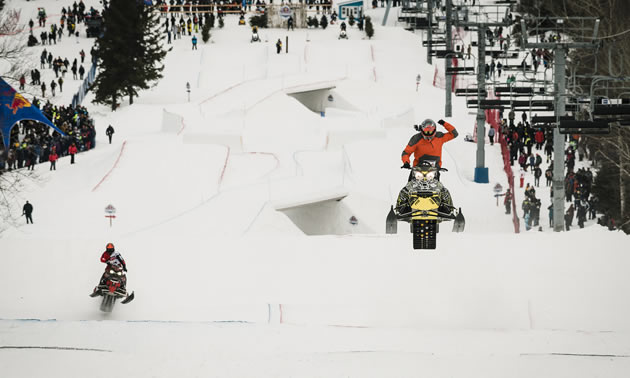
(228, 286)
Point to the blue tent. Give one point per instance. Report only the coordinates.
(14, 108)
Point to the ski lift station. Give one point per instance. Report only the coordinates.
(347, 7)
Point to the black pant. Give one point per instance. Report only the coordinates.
(71, 158)
(29, 218)
(110, 139)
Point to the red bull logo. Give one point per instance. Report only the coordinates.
(18, 103)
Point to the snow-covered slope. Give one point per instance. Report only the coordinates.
(226, 286)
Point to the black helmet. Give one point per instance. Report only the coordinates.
(109, 247)
(428, 128)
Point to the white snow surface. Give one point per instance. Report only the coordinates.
(226, 286)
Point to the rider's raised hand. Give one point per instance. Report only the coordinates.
(441, 122)
(406, 165)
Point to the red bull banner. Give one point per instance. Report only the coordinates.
(14, 108)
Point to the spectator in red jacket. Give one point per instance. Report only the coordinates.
(539, 138)
(53, 159)
(72, 150)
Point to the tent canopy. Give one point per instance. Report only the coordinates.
(15, 108)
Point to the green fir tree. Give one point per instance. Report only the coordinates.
(323, 22)
(149, 53)
(129, 53)
(369, 28)
(205, 32)
(112, 53)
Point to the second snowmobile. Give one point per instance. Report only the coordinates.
(112, 287)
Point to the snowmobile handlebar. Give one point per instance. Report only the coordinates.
(436, 168)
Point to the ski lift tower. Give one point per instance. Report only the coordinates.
(483, 19)
(569, 33)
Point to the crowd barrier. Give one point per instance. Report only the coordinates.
(85, 86)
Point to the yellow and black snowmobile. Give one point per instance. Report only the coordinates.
(424, 202)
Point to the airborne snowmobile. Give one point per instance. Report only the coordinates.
(112, 287)
(424, 202)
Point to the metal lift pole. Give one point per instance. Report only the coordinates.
(389, 5)
(481, 172)
(448, 111)
(558, 140)
(430, 31)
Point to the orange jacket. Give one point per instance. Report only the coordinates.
(428, 150)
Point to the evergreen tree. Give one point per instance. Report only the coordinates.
(324, 22)
(112, 52)
(129, 52)
(147, 64)
(312, 21)
(209, 20)
(205, 32)
(259, 21)
(369, 28)
(1, 5)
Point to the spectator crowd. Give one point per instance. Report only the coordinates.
(529, 147)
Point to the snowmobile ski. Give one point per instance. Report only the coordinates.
(391, 223)
(128, 299)
(460, 222)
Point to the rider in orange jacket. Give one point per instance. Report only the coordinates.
(427, 144)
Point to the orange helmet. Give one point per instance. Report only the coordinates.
(109, 247)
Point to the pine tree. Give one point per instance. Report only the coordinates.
(210, 20)
(369, 28)
(323, 22)
(113, 52)
(129, 52)
(312, 21)
(205, 32)
(147, 63)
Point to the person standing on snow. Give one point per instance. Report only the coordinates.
(491, 133)
(53, 159)
(109, 132)
(278, 46)
(72, 150)
(27, 211)
(290, 23)
(508, 201)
